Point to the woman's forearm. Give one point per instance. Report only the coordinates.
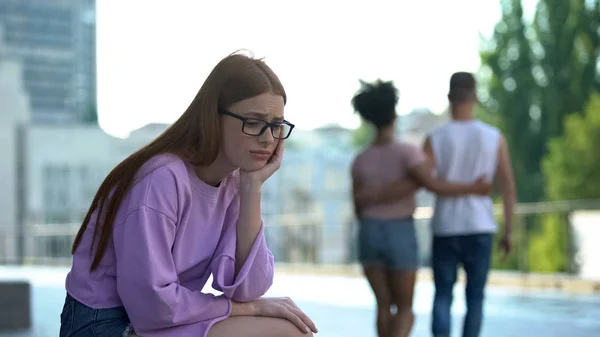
(444, 188)
(424, 174)
(249, 222)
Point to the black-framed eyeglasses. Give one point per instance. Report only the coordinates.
(256, 127)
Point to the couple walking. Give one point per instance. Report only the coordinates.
(458, 163)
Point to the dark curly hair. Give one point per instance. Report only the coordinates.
(376, 102)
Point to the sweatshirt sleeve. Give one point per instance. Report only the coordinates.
(256, 275)
(147, 280)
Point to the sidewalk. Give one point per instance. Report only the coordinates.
(560, 282)
(344, 306)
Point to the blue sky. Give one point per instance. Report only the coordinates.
(154, 55)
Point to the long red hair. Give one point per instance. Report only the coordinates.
(194, 137)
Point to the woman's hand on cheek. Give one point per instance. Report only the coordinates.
(258, 177)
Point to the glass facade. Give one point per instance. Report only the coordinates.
(56, 42)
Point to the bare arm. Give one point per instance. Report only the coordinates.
(508, 188)
(395, 191)
(356, 190)
(405, 187)
(420, 175)
(428, 149)
(424, 175)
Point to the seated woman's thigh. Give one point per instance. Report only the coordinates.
(249, 326)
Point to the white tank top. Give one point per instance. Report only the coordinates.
(464, 151)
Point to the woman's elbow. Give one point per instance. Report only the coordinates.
(258, 282)
(432, 187)
(250, 292)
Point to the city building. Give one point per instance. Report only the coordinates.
(14, 112)
(63, 167)
(307, 206)
(55, 41)
(49, 172)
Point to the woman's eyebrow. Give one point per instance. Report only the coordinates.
(256, 114)
(263, 116)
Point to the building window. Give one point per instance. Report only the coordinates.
(63, 189)
(57, 217)
(86, 180)
(53, 247)
(56, 189)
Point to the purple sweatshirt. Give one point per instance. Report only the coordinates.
(171, 232)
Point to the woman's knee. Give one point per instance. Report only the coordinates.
(405, 310)
(250, 326)
(403, 302)
(383, 307)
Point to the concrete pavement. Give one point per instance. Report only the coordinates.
(344, 307)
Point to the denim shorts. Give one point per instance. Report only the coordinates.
(390, 243)
(79, 320)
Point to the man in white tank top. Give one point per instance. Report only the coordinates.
(463, 150)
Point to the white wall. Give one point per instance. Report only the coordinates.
(14, 111)
(72, 161)
(65, 165)
(68, 147)
(586, 230)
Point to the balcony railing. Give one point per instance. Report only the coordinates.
(544, 239)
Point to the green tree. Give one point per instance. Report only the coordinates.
(571, 172)
(510, 88)
(572, 165)
(535, 76)
(548, 243)
(536, 73)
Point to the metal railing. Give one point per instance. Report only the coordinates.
(543, 239)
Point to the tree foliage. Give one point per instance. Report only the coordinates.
(572, 167)
(537, 73)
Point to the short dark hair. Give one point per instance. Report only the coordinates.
(376, 102)
(462, 87)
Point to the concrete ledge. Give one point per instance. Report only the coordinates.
(15, 305)
(561, 282)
